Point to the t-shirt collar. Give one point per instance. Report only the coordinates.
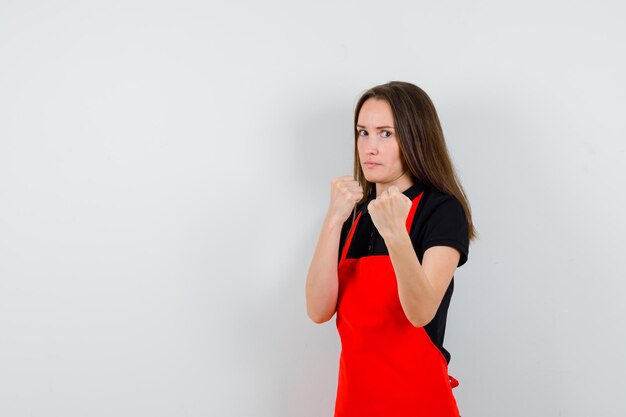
(411, 192)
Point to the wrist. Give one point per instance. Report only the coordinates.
(332, 221)
(397, 236)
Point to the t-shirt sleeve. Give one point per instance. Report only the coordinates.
(447, 226)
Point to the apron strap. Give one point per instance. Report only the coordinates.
(346, 245)
(409, 217)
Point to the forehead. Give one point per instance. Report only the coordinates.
(375, 112)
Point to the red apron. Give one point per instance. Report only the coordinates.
(387, 367)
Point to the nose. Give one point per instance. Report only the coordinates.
(371, 148)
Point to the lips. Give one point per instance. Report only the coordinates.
(370, 164)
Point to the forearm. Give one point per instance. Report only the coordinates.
(322, 281)
(415, 291)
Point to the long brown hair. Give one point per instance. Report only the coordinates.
(422, 144)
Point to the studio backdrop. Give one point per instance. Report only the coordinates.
(165, 168)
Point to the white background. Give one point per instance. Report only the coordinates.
(165, 168)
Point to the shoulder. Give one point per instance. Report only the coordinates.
(439, 204)
(443, 222)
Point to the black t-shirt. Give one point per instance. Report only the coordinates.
(439, 220)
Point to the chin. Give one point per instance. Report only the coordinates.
(369, 178)
(373, 178)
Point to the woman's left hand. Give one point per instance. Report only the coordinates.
(389, 211)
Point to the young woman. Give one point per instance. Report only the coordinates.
(392, 238)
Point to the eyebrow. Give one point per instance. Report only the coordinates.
(379, 127)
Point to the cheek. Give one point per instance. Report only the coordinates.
(359, 147)
(394, 153)
(399, 158)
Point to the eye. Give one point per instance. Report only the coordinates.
(383, 131)
(361, 130)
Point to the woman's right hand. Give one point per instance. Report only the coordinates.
(345, 192)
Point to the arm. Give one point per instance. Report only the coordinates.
(420, 286)
(322, 282)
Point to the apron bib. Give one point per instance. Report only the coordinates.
(387, 366)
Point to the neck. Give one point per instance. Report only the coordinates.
(403, 183)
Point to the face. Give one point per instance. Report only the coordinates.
(378, 147)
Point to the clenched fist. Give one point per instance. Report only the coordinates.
(389, 211)
(344, 194)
